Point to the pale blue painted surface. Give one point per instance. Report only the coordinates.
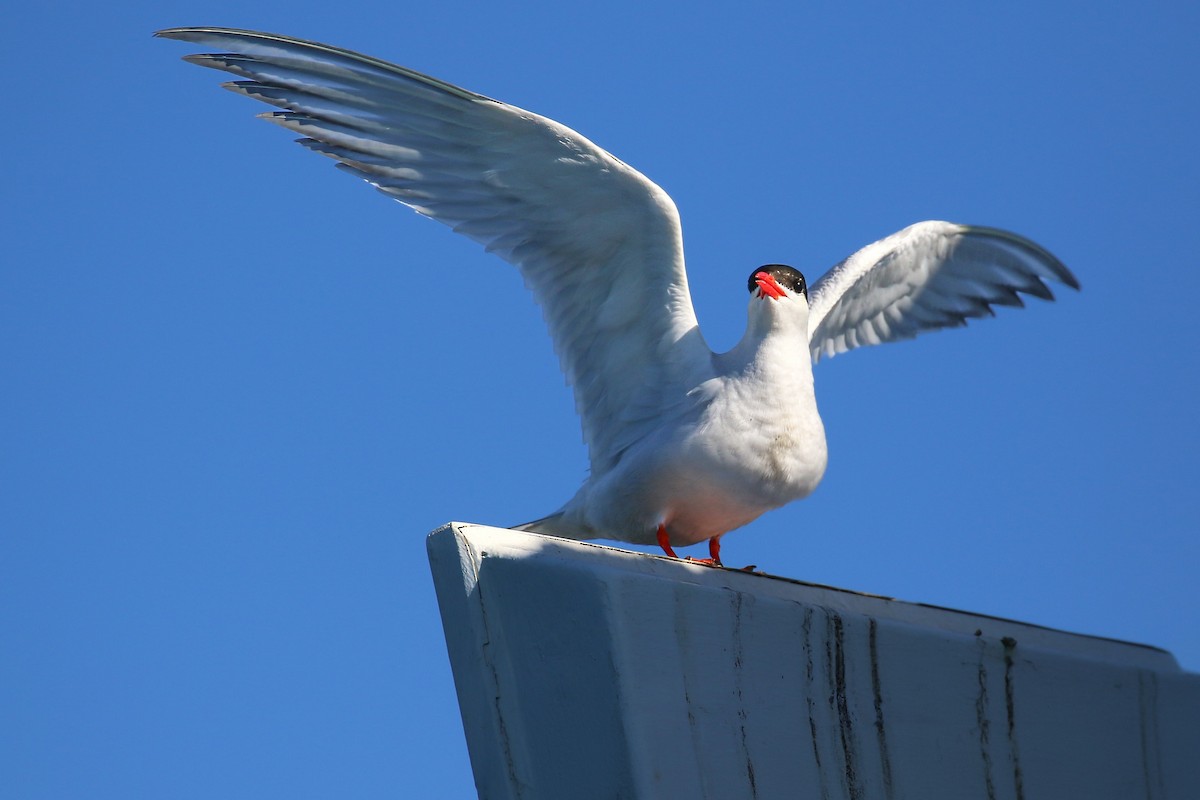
(585, 671)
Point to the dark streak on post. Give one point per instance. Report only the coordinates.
(877, 692)
(806, 627)
(981, 717)
(1010, 644)
(846, 723)
(737, 679)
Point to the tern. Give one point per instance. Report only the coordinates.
(684, 444)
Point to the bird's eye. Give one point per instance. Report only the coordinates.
(798, 285)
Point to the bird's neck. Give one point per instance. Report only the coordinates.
(776, 341)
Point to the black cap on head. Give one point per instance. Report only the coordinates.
(787, 277)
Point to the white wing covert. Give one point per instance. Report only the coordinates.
(598, 244)
(928, 276)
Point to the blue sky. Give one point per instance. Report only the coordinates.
(240, 387)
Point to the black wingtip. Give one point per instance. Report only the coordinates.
(172, 33)
(1050, 261)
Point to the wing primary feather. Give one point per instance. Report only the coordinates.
(323, 58)
(1035, 254)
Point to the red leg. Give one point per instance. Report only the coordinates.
(714, 550)
(664, 542)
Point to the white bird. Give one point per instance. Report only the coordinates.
(684, 444)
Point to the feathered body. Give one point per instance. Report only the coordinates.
(744, 437)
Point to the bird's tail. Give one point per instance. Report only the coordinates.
(552, 525)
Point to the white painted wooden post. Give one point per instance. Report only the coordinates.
(584, 671)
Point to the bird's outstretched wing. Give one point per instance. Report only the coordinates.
(599, 244)
(930, 275)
